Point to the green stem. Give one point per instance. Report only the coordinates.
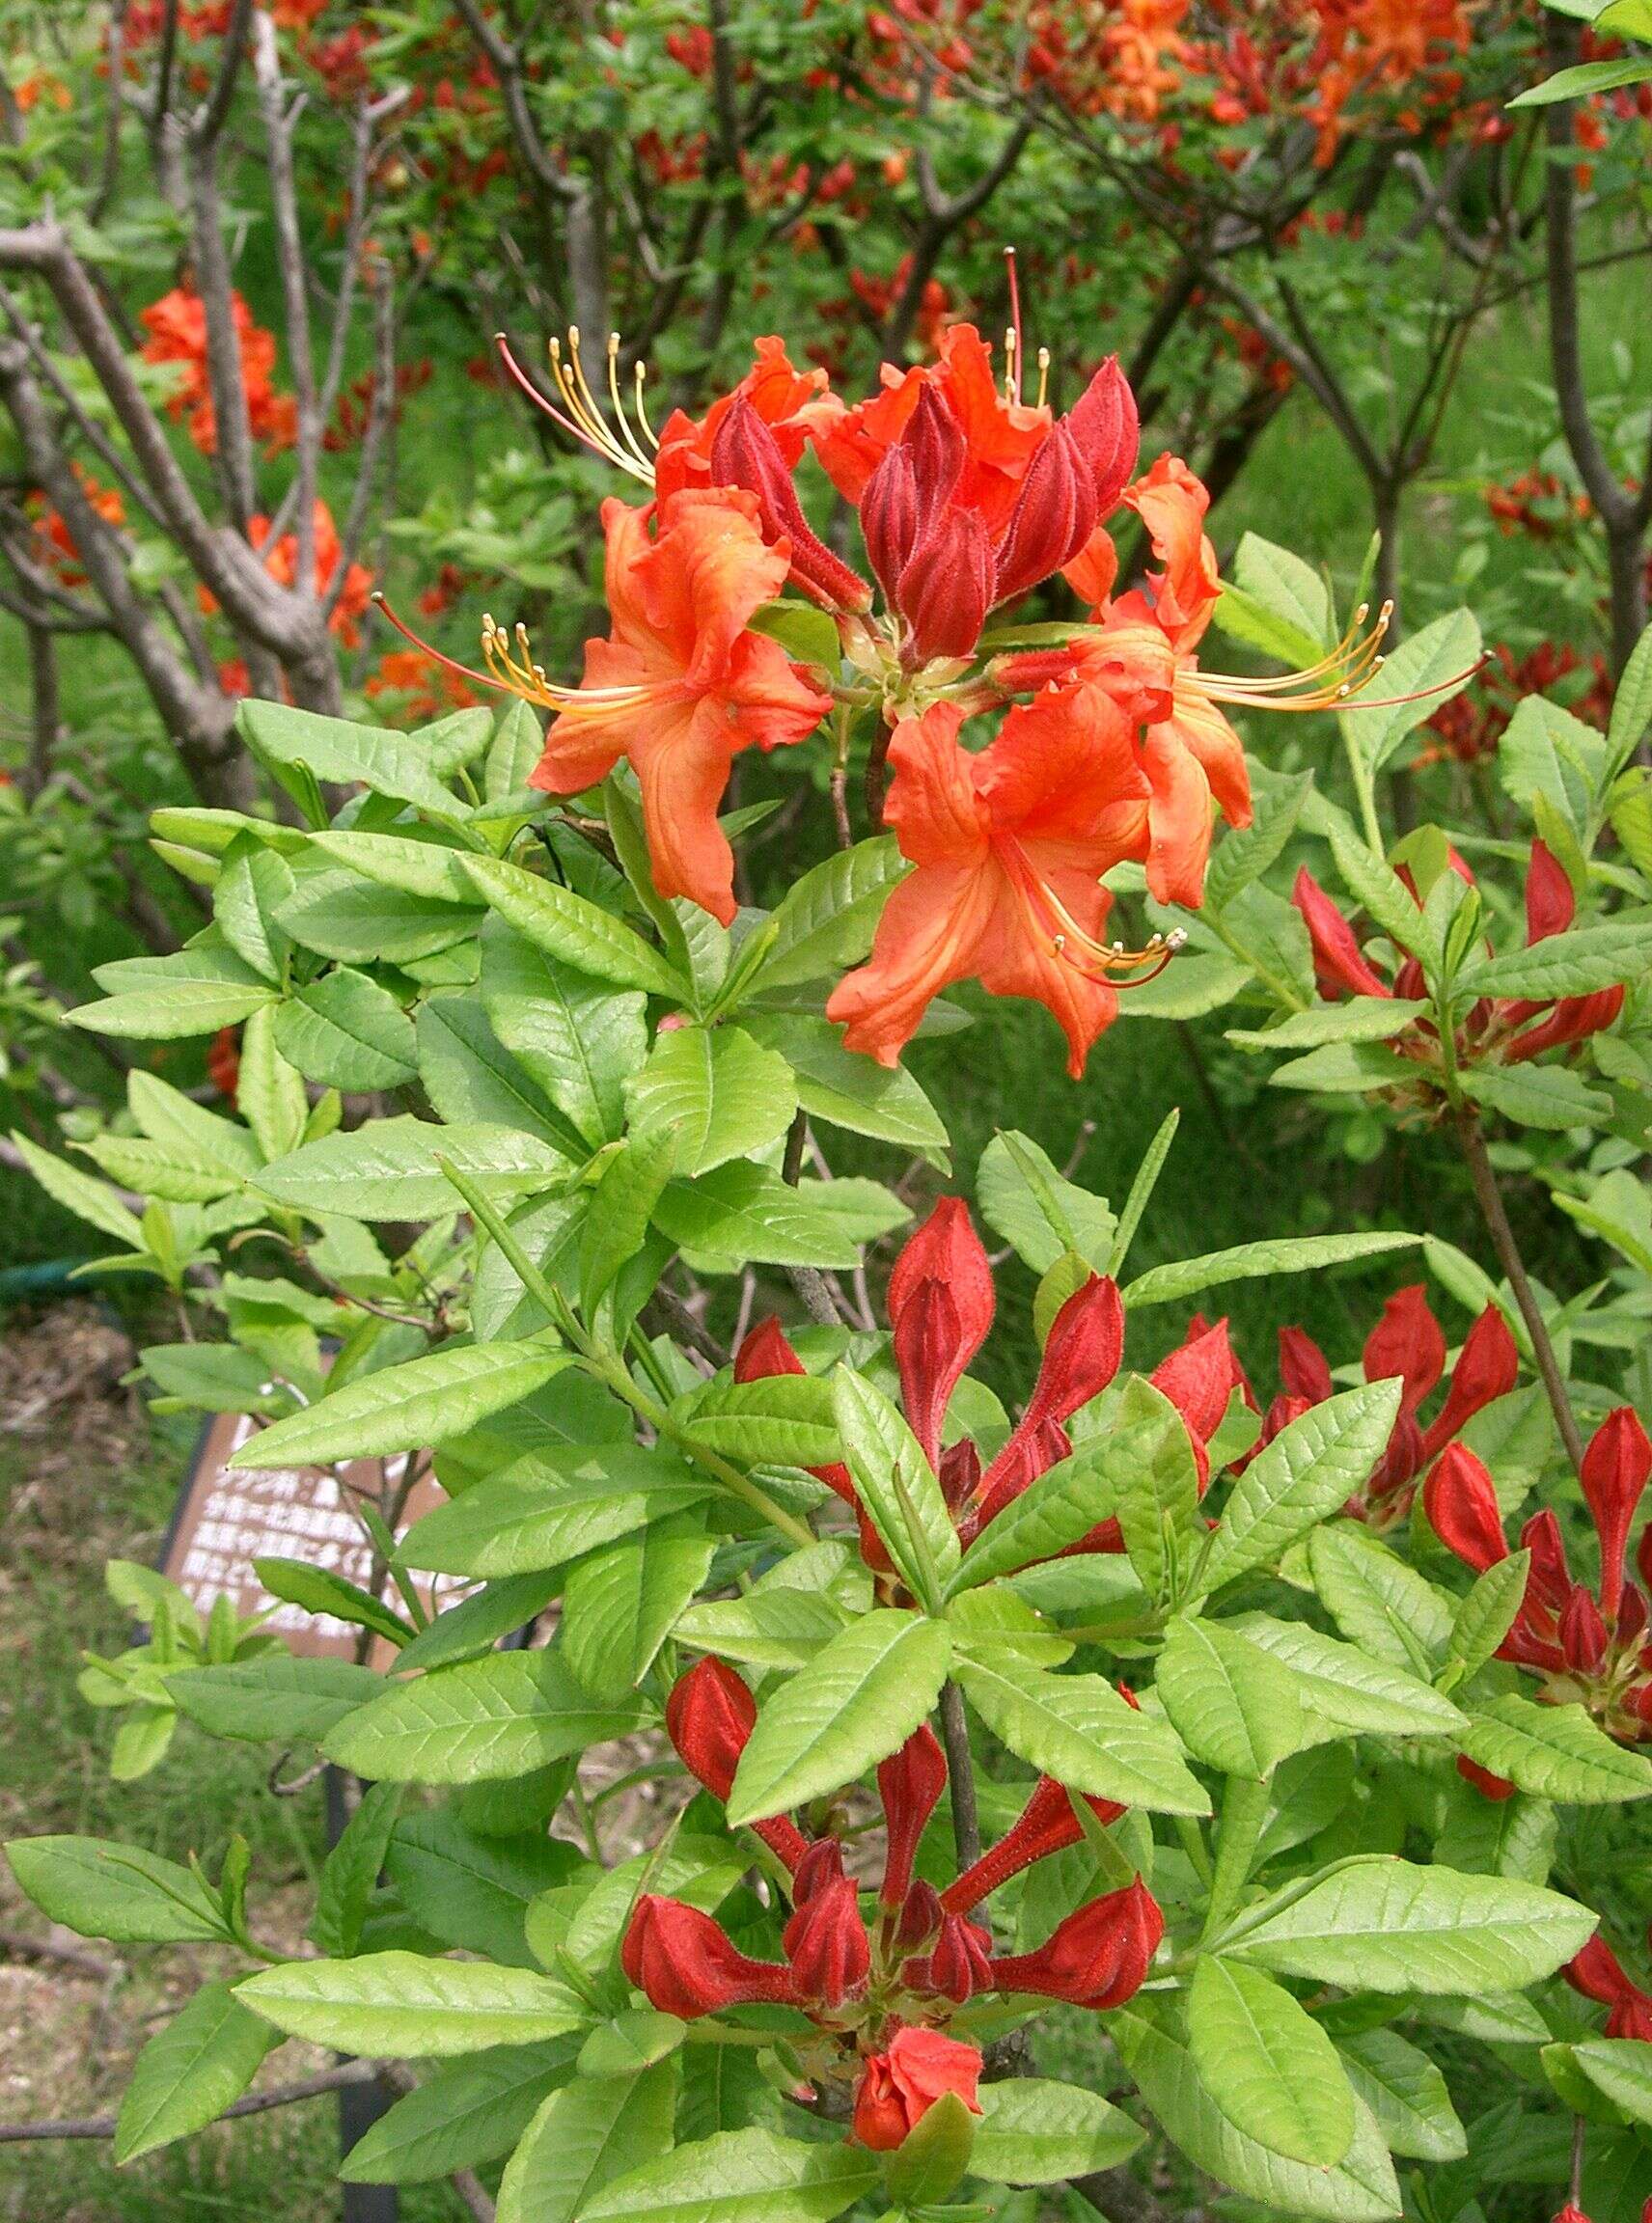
(1244, 1810)
(1194, 1845)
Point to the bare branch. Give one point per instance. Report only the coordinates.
(255, 2103)
(212, 118)
(233, 439)
(114, 116)
(289, 253)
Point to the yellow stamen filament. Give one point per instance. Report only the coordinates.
(512, 666)
(619, 417)
(1011, 369)
(1102, 962)
(638, 375)
(580, 415)
(1319, 686)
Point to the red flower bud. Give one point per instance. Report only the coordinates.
(1047, 1824)
(941, 1302)
(1615, 1470)
(1633, 1616)
(1305, 1371)
(745, 453)
(1107, 431)
(685, 1966)
(1080, 1357)
(1572, 1020)
(1550, 904)
(960, 1964)
(1598, 1974)
(1461, 1503)
(959, 1472)
(1488, 1366)
(826, 1942)
(710, 1717)
(1199, 1378)
(920, 1921)
(888, 518)
(948, 587)
(898, 2087)
(1490, 1786)
(1409, 1342)
(910, 1784)
(821, 1866)
(1583, 1632)
(1096, 1957)
(1337, 962)
(1054, 515)
(937, 445)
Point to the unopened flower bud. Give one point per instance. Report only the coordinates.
(1488, 1366)
(910, 1783)
(1583, 1632)
(1493, 1787)
(935, 441)
(827, 1945)
(888, 518)
(1339, 966)
(1616, 1467)
(745, 453)
(685, 1966)
(1305, 1371)
(920, 1921)
(1047, 1824)
(941, 1302)
(821, 1866)
(1054, 515)
(1461, 1502)
(960, 1964)
(1107, 430)
(1098, 1957)
(948, 588)
(709, 1718)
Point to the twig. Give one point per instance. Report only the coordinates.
(255, 2103)
(22, 1948)
(1489, 1197)
(961, 1775)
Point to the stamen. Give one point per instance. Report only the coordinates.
(1043, 375)
(1318, 686)
(619, 417)
(525, 678)
(480, 679)
(1099, 961)
(638, 374)
(1011, 380)
(1013, 337)
(579, 415)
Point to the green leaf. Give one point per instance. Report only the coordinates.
(781, 1420)
(166, 999)
(896, 1485)
(1555, 1752)
(405, 2006)
(405, 1408)
(1584, 80)
(929, 2163)
(89, 1200)
(100, 1889)
(1306, 1472)
(499, 1715)
(566, 927)
(388, 1170)
(464, 2112)
(274, 1696)
(1024, 1198)
(1406, 2093)
(472, 1080)
(471, 1890)
(550, 1507)
(767, 1629)
(1545, 1096)
(269, 1092)
(1487, 1614)
(715, 1091)
(190, 2071)
(1385, 1924)
(854, 1704)
(518, 743)
(578, 1037)
(1271, 2068)
(1376, 1600)
(847, 1090)
(621, 1207)
(828, 916)
(428, 869)
(1141, 1189)
(1374, 884)
(1358, 1019)
(319, 1590)
(1070, 1499)
(1246, 1261)
(1360, 2188)
(336, 913)
(583, 2137)
(1575, 963)
(1079, 1729)
(621, 1604)
(345, 1032)
(1035, 2130)
(1622, 2069)
(391, 764)
(1431, 666)
(1632, 703)
(350, 1872)
(188, 1130)
(1235, 1706)
(739, 2176)
(745, 1215)
(1341, 1689)
(1290, 590)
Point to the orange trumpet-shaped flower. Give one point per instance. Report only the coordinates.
(1009, 846)
(680, 686)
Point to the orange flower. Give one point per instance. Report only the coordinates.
(1009, 846)
(281, 562)
(176, 328)
(680, 687)
(791, 403)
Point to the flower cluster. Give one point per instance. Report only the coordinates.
(1110, 746)
(877, 1996)
(1497, 1030)
(940, 1306)
(1593, 1647)
(176, 328)
(1407, 1345)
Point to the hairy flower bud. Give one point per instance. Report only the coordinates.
(941, 1304)
(897, 2088)
(1106, 428)
(1616, 1467)
(1488, 1366)
(1408, 1342)
(919, 1920)
(948, 588)
(1583, 1632)
(888, 518)
(910, 1784)
(959, 1965)
(685, 1966)
(1305, 1371)
(1047, 1824)
(1082, 1352)
(1598, 1974)
(827, 1945)
(821, 1866)
(1338, 965)
(709, 1718)
(1054, 515)
(1096, 1957)
(935, 441)
(1496, 1788)
(745, 453)
(1461, 1503)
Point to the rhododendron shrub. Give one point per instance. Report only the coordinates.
(1222, 1723)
